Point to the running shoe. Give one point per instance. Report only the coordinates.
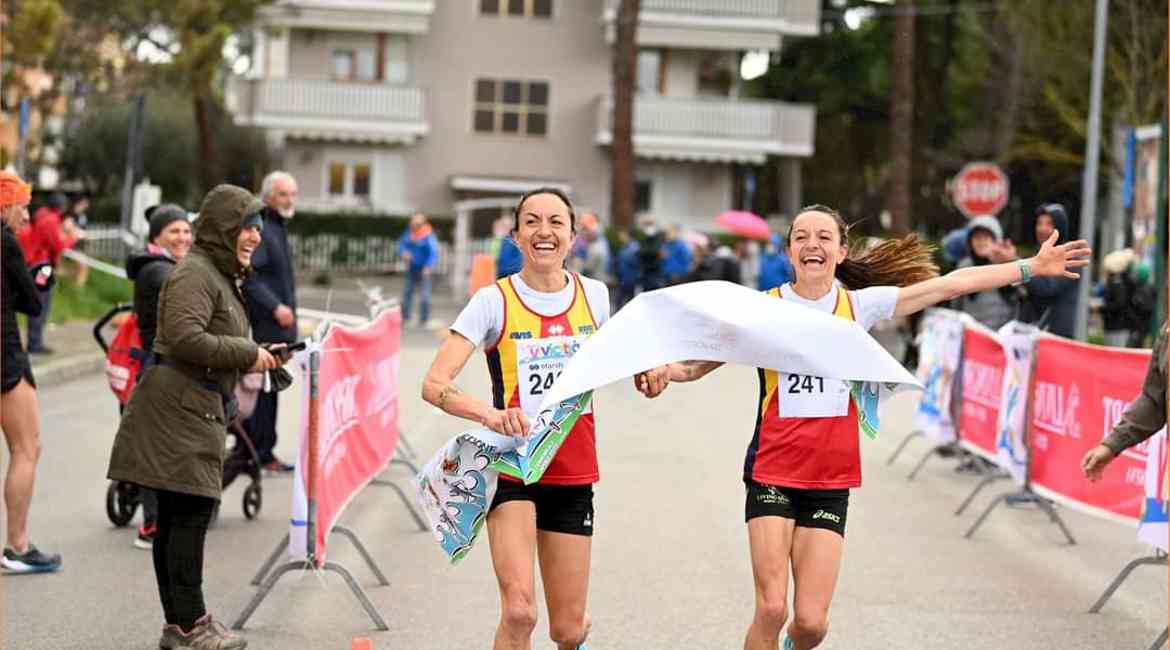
(207, 634)
(31, 561)
(788, 644)
(276, 466)
(145, 539)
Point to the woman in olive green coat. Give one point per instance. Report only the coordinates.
(172, 435)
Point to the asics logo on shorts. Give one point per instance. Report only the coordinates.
(821, 514)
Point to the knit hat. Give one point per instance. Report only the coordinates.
(161, 216)
(13, 191)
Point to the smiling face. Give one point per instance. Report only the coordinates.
(544, 232)
(815, 246)
(246, 244)
(283, 197)
(176, 238)
(1044, 227)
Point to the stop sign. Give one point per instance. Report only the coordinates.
(980, 188)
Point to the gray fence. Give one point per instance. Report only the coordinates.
(321, 252)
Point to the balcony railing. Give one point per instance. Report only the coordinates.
(380, 110)
(713, 128)
(727, 17)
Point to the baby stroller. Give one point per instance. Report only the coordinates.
(124, 360)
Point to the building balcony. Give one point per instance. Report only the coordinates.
(329, 110)
(394, 16)
(719, 24)
(714, 129)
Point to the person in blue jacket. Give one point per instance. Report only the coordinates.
(775, 267)
(419, 248)
(628, 268)
(1052, 302)
(509, 260)
(678, 259)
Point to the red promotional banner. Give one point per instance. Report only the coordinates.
(1079, 392)
(357, 419)
(984, 363)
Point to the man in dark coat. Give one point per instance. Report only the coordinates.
(272, 304)
(1053, 300)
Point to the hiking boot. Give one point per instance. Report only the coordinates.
(208, 634)
(31, 561)
(172, 637)
(145, 539)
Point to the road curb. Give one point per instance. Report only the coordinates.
(63, 371)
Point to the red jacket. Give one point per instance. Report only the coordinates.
(42, 240)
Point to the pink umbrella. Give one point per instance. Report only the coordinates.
(745, 224)
(696, 239)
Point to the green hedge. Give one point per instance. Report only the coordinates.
(307, 224)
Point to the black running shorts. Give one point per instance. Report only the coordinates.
(810, 508)
(559, 508)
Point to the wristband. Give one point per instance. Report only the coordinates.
(1025, 271)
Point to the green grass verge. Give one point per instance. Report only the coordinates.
(90, 302)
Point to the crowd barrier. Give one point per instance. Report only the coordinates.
(1032, 404)
(349, 436)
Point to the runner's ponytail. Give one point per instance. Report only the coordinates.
(893, 262)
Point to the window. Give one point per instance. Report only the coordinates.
(643, 193)
(343, 64)
(349, 180)
(355, 65)
(521, 8)
(649, 72)
(511, 106)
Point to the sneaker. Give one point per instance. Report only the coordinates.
(276, 466)
(207, 634)
(788, 644)
(145, 539)
(31, 561)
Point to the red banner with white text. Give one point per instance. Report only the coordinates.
(983, 366)
(357, 421)
(1079, 393)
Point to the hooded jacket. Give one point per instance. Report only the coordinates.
(148, 271)
(994, 307)
(172, 432)
(1056, 297)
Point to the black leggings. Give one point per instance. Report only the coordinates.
(178, 555)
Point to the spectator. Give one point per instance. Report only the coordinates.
(73, 229)
(994, 307)
(19, 409)
(1052, 301)
(1145, 301)
(596, 262)
(1119, 293)
(628, 269)
(650, 256)
(43, 243)
(167, 243)
(271, 294)
(954, 246)
(172, 435)
(678, 257)
(420, 249)
(775, 267)
(748, 252)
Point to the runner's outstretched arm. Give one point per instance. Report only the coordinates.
(1052, 261)
(652, 382)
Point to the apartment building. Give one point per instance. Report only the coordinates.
(391, 106)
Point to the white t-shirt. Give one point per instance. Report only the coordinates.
(872, 304)
(482, 320)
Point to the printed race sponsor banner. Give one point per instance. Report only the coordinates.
(1152, 527)
(940, 344)
(981, 390)
(357, 428)
(1079, 393)
(1019, 342)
